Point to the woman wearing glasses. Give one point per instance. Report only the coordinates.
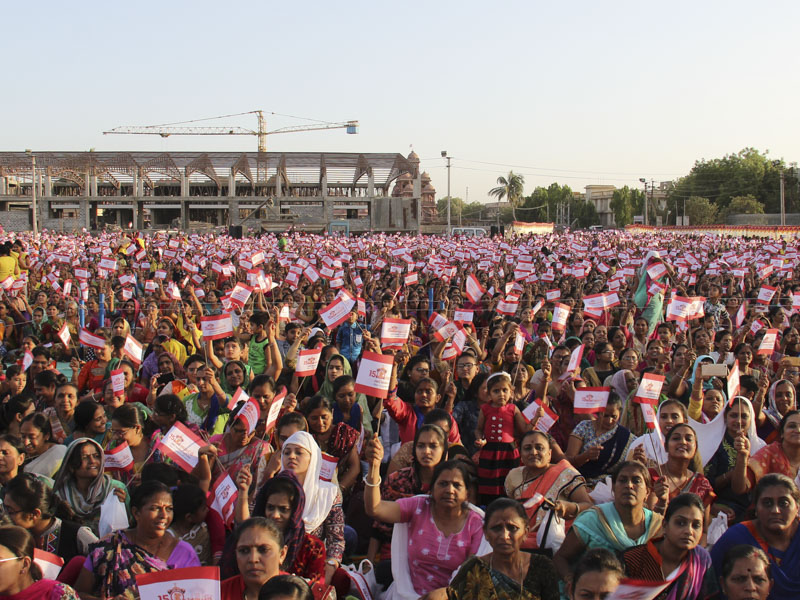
(20, 577)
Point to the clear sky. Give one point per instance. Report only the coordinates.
(573, 92)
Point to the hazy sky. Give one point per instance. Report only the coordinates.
(573, 92)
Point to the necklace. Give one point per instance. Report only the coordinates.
(521, 578)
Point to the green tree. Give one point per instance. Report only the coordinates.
(742, 205)
(746, 173)
(626, 202)
(542, 204)
(510, 188)
(456, 207)
(700, 211)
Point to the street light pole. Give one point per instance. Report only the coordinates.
(444, 155)
(783, 199)
(644, 181)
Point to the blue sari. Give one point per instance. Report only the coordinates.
(784, 564)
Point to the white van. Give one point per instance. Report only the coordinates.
(469, 231)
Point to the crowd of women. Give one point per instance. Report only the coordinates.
(480, 473)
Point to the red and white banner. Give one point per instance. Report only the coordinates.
(217, 327)
(765, 294)
(395, 331)
(374, 375)
(250, 414)
(87, 338)
(240, 294)
(50, 564)
(327, 467)
(447, 331)
(191, 583)
(590, 399)
(181, 445)
(307, 362)
(769, 341)
(733, 381)
(463, 316)
(133, 349)
(506, 307)
(574, 361)
(649, 389)
(546, 421)
(275, 410)
(337, 311)
(475, 290)
(560, 316)
(739, 319)
(119, 459)
(411, 279)
(27, 360)
(118, 382)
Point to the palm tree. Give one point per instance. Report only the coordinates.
(509, 188)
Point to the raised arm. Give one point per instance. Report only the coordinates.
(382, 510)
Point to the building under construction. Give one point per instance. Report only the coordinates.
(195, 190)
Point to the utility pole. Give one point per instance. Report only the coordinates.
(444, 155)
(783, 200)
(644, 181)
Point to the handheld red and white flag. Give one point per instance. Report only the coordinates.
(765, 294)
(250, 414)
(395, 331)
(27, 360)
(118, 382)
(50, 564)
(649, 389)
(591, 400)
(337, 311)
(217, 327)
(475, 290)
(560, 315)
(374, 375)
(181, 445)
(275, 410)
(307, 362)
(191, 583)
(769, 341)
(87, 338)
(119, 459)
(133, 349)
(733, 381)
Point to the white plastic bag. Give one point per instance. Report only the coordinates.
(716, 528)
(602, 492)
(113, 516)
(363, 578)
(554, 526)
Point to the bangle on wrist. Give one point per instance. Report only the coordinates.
(368, 484)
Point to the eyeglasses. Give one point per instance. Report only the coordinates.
(422, 370)
(793, 373)
(120, 432)
(470, 365)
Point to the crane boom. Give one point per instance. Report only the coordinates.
(168, 130)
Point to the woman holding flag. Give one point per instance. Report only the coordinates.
(111, 567)
(238, 447)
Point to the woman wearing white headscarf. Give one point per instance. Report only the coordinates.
(717, 444)
(322, 514)
(651, 445)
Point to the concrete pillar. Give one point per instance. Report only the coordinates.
(370, 183)
(84, 211)
(233, 212)
(278, 185)
(184, 185)
(93, 185)
(3, 186)
(323, 184)
(184, 215)
(327, 206)
(135, 184)
(48, 185)
(135, 209)
(87, 185)
(232, 183)
(140, 190)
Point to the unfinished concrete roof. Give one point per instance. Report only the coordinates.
(298, 167)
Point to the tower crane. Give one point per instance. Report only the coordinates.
(188, 128)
